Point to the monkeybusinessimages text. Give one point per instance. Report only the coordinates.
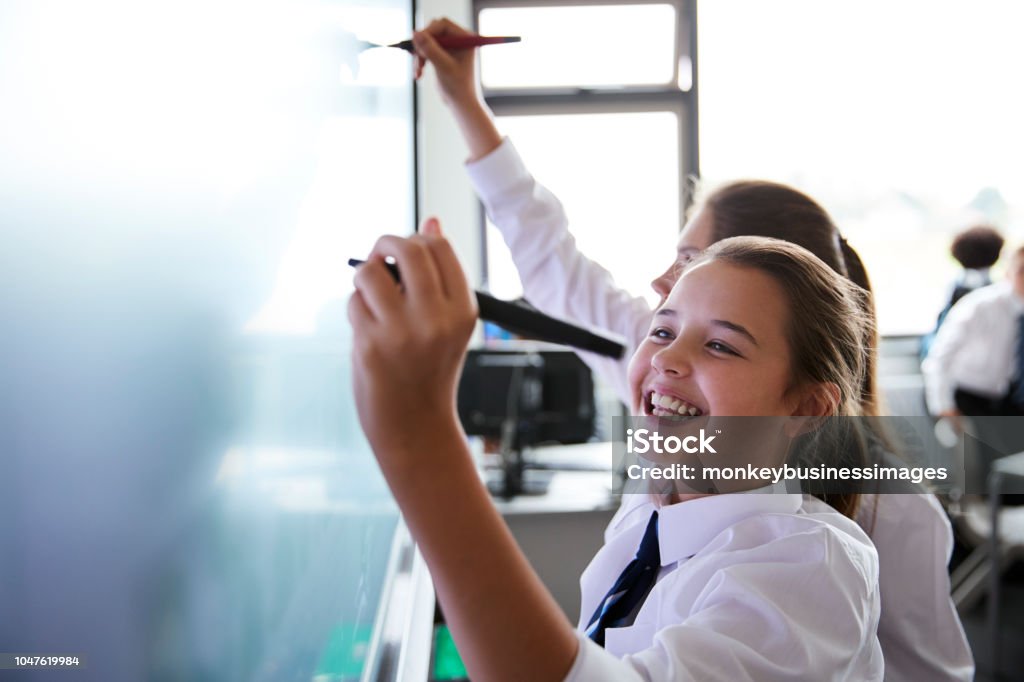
(646, 441)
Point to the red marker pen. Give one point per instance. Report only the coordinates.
(461, 42)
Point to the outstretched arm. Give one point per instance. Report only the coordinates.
(456, 78)
(556, 276)
(409, 344)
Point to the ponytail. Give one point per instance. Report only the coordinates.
(870, 401)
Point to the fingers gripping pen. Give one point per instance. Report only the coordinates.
(525, 321)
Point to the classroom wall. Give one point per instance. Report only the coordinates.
(445, 191)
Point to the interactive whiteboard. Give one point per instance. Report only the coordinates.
(185, 493)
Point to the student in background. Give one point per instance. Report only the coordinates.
(771, 586)
(977, 250)
(976, 365)
(920, 631)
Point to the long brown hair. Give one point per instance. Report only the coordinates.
(827, 326)
(769, 209)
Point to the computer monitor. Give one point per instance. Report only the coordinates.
(526, 397)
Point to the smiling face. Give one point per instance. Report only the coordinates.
(717, 347)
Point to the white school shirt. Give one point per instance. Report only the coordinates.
(975, 348)
(920, 631)
(752, 587)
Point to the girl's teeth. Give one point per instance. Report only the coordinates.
(673, 404)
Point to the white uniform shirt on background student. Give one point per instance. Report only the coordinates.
(919, 630)
(768, 586)
(975, 348)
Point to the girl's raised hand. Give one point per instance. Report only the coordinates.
(409, 340)
(456, 78)
(455, 69)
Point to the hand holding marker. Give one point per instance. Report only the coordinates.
(456, 39)
(525, 321)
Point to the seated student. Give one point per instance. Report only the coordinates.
(976, 365)
(920, 630)
(975, 368)
(976, 249)
(728, 587)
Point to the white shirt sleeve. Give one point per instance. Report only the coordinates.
(937, 368)
(920, 629)
(976, 347)
(557, 278)
(594, 664)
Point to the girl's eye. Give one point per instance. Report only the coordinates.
(661, 333)
(720, 347)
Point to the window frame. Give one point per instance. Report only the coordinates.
(572, 100)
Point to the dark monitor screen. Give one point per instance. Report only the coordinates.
(551, 392)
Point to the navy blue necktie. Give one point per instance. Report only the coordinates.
(630, 590)
(1017, 390)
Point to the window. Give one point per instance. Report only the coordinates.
(900, 118)
(607, 129)
(622, 45)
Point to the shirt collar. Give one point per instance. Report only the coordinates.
(975, 277)
(687, 527)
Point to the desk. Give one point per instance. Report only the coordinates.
(1004, 470)
(578, 478)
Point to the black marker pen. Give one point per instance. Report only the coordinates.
(524, 321)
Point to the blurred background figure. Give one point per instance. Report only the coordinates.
(975, 367)
(977, 250)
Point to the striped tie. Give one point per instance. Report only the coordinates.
(630, 590)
